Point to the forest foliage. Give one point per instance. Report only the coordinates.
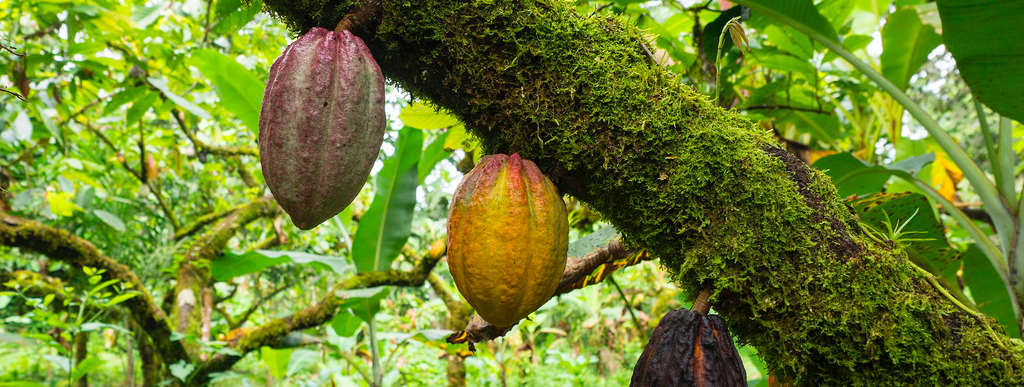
(129, 172)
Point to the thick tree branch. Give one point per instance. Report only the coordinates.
(59, 245)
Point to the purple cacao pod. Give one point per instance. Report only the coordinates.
(321, 124)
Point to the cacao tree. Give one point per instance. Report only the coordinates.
(131, 202)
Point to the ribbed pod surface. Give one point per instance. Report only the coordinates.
(321, 124)
(507, 238)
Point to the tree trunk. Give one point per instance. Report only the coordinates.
(81, 352)
(705, 190)
(150, 367)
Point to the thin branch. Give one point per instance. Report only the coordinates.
(204, 220)
(256, 306)
(77, 252)
(202, 147)
(140, 174)
(16, 95)
(579, 273)
(629, 307)
(50, 28)
(11, 50)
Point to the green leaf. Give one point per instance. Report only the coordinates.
(984, 37)
(855, 177)
(387, 224)
(906, 43)
(123, 97)
(456, 137)
(239, 90)
(785, 63)
(345, 324)
(853, 43)
(122, 298)
(362, 303)
(989, 291)
(144, 16)
(62, 362)
(21, 384)
(421, 116)
(276, 360)
(161, 84)
(110, 220)
(593, 241)
(822, 126)
(95, 326)
(181, 370)
(794, 11)
(233, 264)
(232, 14)
(434, 153)
(50, 126)
(84, 367)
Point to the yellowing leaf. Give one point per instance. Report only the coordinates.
(60, 203)
(945, 175)
(817, 154)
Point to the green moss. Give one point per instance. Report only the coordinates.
(701, 188)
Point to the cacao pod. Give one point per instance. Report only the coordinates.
(692, 350)
(321, 124)
(507, 238)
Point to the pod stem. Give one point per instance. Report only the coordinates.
(359, 17)
(701, 305)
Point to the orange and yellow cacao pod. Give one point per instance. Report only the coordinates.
(321, 124)
(507, 238)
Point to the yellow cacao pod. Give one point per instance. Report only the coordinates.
(507, 238)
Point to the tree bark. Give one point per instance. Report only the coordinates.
(81, 352)
(703, 189)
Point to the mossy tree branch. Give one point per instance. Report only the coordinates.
(77, 252)
(701, 188)
(193, 280)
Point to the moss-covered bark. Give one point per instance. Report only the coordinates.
(702, 188)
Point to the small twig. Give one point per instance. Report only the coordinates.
(629, 308)
(11, 50)
(16, 95)
(255, 306)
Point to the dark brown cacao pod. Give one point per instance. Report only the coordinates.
(321, 124)
(692, 350)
